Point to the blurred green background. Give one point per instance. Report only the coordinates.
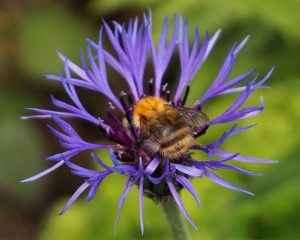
(32, 31)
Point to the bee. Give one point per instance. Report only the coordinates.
(165, 129)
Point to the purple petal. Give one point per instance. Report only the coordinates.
(35, 117)
(73, 198)
(201, 164)
(240, 100)
(64, 155)
(224, 183)
(66, 127)
(226, 86)
(221, 77)
(195, 44)
(186, 184)
(240, 158)
(233, 131)
(123, 72)
(49, 170)
(48, 113)
(60, 135)
(141, 198)
(73, 67)
(114, 42)
(96, 185)
(196, 63)
(241, 45)
(74, 81)
(79, 169)
(191, 171)
(238, 169)
(266, 77)
(212, 42)
(113, 157)
(94, 189)
(152, 166)
(122, 199)
(156, 180)
(123, 168)
(63, 105)
(255, 110)
(124, 194)
(225, 159)
(178, 202)
(190, 64)
(95, 157)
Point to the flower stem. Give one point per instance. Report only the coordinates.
(175, 220)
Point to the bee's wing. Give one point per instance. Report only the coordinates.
(150, 137)
(192, 117)
(151, 146)
(199, 118)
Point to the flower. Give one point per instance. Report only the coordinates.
(156, 175)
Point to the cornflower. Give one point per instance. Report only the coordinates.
(157, 175)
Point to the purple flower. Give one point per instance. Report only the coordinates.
(142, 151)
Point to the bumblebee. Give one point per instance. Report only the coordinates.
(165, 129)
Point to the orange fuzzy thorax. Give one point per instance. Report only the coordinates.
(148, 107)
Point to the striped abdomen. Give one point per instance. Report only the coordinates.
(176, 142)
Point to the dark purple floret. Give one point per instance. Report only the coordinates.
(155, 176)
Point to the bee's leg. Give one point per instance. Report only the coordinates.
(200, 131)
(151, 146)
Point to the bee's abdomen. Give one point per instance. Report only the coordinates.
(176, 143)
